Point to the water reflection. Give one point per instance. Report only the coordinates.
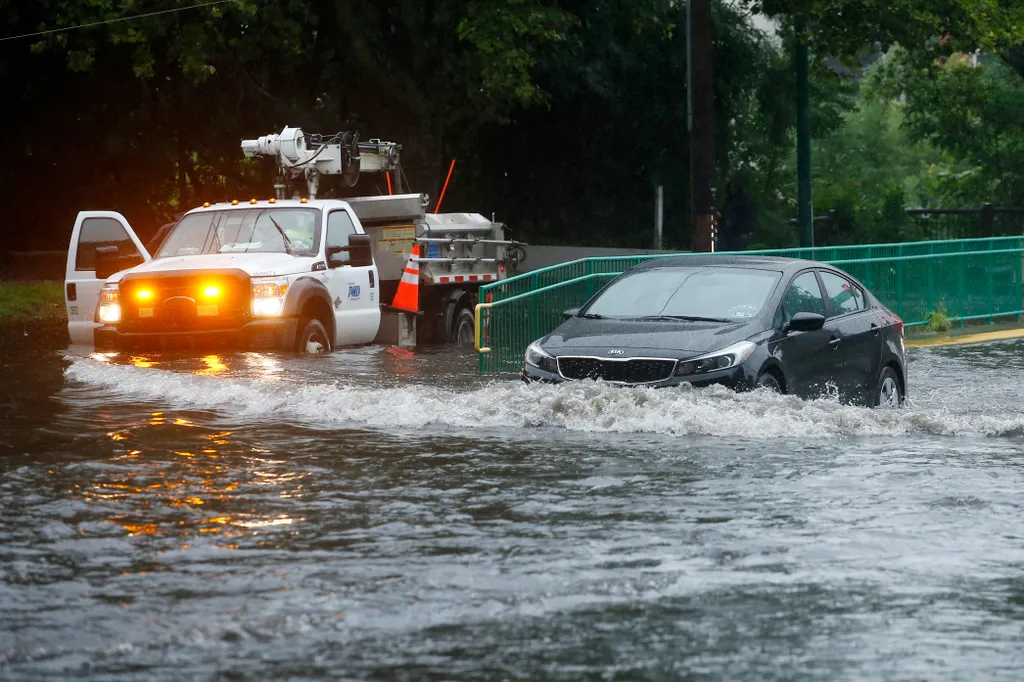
(213, 365)
(399, 361)
(262, 366)
(213, 485)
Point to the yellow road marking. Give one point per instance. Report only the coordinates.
(965, 339)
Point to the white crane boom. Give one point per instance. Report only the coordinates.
(342, 154)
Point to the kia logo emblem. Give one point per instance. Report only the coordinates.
(615, 351)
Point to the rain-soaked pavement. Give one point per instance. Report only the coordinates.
(379, 514)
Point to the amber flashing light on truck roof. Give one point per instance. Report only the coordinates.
(234, 202)
(303, 200)
(271, 200)
(206, 204)
(252, 201)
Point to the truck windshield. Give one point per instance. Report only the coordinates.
(251, 230)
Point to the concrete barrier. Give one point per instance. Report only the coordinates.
(538, 257)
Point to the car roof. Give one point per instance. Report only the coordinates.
(758, 262)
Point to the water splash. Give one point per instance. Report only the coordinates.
(584, 407)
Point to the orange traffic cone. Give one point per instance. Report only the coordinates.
(408, 295)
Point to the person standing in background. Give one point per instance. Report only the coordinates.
(739, 218)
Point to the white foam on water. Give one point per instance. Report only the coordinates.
(584, 407)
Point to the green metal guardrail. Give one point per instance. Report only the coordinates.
(970, 279)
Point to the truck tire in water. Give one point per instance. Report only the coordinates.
(463, 328)
(312, 338)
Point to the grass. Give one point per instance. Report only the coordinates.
(938, 320)
(32, 319)
(23, 301)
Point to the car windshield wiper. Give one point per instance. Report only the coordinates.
(687, 318)
(592, 316)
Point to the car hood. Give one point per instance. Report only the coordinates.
(253, 264)
(676, 338)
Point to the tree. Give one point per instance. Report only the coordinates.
(159, 104)
(846, 28)
(970, 111)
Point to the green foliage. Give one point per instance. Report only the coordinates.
(20, 301)
(973, 114)
(563, 114)
(938, 320)
(846, 28)
(509, 38)
(868, 171)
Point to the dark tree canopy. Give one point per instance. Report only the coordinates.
(563, 114)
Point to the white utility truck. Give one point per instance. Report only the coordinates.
(301, 274)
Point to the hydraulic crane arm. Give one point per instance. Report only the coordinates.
(300, 156)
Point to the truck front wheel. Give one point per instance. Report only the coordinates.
(464, 328)
(312, 338)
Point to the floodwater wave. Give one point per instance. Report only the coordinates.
(391, 515)
(584, 406)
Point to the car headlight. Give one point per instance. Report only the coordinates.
(110, 304)
(733, 356)
(539, 358)
(268, 296)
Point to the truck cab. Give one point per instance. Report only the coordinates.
(276, 274)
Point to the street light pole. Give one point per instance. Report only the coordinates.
(803, 141)
(700, 96)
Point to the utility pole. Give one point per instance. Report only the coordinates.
(700, 96)
(803, 141)
(659, 214)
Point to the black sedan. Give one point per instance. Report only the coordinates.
(789, 325)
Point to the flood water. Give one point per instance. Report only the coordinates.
(388, 515)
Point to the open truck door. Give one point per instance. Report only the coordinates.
(102, 243)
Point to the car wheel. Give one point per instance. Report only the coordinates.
(312, 339)
(769, 381)
(888, 393)
(464, 328)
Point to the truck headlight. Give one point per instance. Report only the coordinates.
(110, 304)
(541, 359)
(268, 296)
(733, 356)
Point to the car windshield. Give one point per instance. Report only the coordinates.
(255, 230)
(713, 293)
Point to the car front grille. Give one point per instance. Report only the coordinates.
(632, 371)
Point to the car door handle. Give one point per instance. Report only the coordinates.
(874, 329)
(834, 342)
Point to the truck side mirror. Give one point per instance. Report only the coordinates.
(358, 249)
(107, 261)
(332, 256)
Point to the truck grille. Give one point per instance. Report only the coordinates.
(637, 371)
(176, 299)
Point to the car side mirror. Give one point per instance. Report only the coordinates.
(805, 322)
(107, 261)
(571, 312)
(358, 250)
